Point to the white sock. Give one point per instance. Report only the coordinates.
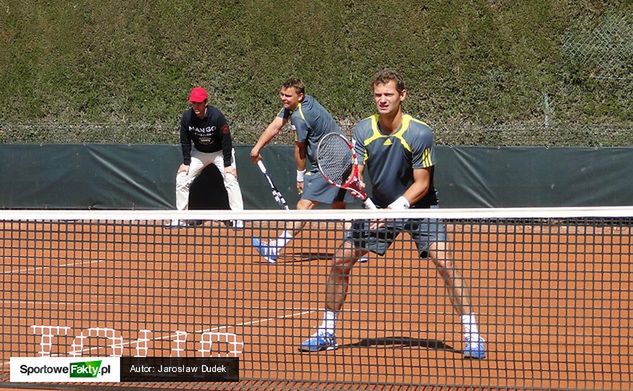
(282, 240)
(329, 323)
(470, 326)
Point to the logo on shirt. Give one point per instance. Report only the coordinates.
(387, 142)
(208, 130)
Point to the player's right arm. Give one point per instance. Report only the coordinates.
(272, 130)
(185, 144)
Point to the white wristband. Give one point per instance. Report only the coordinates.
(399, 204)
(300, 174)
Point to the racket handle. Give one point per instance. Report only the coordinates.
(369, 204)
(261, 166)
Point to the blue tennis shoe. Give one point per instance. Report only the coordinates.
(475, 349)
(268, 252)
(319, 342)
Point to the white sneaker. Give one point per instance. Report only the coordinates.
(363, 259)
(237, 224)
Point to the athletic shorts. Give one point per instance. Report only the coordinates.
(316, 188)
(423, 231)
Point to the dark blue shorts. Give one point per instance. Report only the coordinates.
(423, 231)
(316, 188)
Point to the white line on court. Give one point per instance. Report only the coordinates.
(213, 329)
(34, 269)
(56, 303)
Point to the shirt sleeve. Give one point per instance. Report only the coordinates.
(284, 113)
(185, 140)
(300, 127)
(423, 149)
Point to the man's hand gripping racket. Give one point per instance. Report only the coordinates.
(336, 160)
(279, 198)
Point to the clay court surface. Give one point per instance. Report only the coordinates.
(553, 302)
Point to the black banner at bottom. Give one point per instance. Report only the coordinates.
(180, 369)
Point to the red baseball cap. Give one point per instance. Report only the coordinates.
(198, 94)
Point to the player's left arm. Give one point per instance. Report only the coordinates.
(422, 149)
(300, 154)
(227, 144)
(420, 186)
(301, 130)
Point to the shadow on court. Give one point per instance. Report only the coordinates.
(403, 342)
(305, 256)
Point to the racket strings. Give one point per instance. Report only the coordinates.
(335, 159)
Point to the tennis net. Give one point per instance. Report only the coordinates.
(552, 290)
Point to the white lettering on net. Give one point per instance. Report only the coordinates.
(180, 343)
(206, 344)
(141, 343)
(47, 333)
(116, 342)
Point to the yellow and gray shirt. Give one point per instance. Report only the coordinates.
(389, 160)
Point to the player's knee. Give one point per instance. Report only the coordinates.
(345, 256)
(341, 267)
(305, 204)
(182, 180)
(338, 205)
(230, 179)
(445, 267)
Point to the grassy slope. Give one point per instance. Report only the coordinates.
(132, 62)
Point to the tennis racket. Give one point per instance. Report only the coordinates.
(279, 198)
(336, 160)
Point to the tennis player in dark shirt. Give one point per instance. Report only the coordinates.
(309, 121)
(398, 153)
